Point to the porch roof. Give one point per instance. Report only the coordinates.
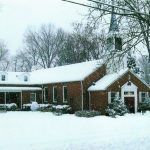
(19, 89)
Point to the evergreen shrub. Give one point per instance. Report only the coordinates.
(145, 105)
(116, 108)
(87, 113)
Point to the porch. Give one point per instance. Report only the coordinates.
(15, 94)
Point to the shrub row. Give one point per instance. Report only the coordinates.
(56, 109)
(8, 107)
(87, 113)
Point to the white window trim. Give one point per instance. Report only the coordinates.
(35, 97)
(54, 94)
(109, 96)
(65, 101)
(132, 88)
(129, 95)
(140, 95)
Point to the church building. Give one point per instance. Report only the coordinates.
(89, 85)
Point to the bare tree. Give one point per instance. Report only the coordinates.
(83, 44)
(4, 56)
(144, 65)
(134, 15)
(40, 49)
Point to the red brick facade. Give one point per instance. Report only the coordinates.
(99, 99)
(78, 96)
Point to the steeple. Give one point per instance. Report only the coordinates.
(114, 45)
(114, 41)
(113, 22)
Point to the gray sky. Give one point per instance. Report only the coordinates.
(18, 15)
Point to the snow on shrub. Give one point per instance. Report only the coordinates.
(42, 107)
(11, 106)
(145, 105)
(61, 109)
(3, 108)
(34, 106)
(8, 107)
(56, 109)
(117, 107)
(45, 107)
(26, 107)
(87, 113)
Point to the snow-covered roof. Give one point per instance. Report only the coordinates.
(107, 80)
(19, 89)
(67, 73)
(14, 77)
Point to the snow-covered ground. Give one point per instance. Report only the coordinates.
(44, 131)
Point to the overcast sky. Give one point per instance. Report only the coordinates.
(18, 15)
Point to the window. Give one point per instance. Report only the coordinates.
(143, 95)
(25, 78)
(54, 94)
(128, 93)
(3, 77)
(114, 95)
(118, 43)
(65, 94)
(45, 94)
(129, 82)
(32, 97)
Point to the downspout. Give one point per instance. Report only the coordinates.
(89, 100)
(81, 95)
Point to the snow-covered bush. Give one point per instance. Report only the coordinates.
(61, 109)
(42, 107)
(26, 107)
(3, 108)
(11, 107)
(87, 113)
(34, 106)
(45, 107)
(145, 105)
(117, 107)
(8, 107)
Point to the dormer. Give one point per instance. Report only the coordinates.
(24, 77)
(3, 76)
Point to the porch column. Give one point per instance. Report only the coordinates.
(5, 97)
(21, 99)
(136, 103)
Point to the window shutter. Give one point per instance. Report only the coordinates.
(140, 97)
(109, 97)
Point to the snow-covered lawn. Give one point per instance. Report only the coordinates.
(44, 131)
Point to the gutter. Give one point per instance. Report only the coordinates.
(81, 94)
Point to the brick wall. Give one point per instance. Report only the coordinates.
(74, 94)
(99, 99)
(26, 96)
(95, 76)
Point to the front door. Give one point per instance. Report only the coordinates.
(130, 103)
